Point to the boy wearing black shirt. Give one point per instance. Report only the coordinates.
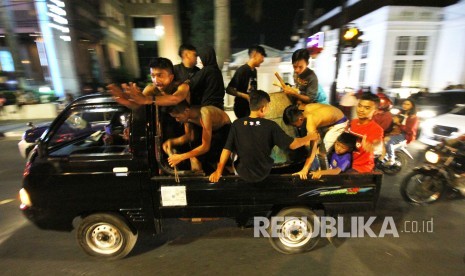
(186, 69)
(252, 138)
(245, 80)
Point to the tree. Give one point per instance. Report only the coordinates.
(253, 8)
(202, 23)
(222, 31)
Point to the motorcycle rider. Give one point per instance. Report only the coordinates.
(457, 143)
(426, 184)
(383, 116)
(404, 129)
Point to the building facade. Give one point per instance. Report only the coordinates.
(404, 49)
(74, 45)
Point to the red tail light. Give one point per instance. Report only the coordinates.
(27, 168)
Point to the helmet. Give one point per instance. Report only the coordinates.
(384, 102)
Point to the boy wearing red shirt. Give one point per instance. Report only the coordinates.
(370, 133)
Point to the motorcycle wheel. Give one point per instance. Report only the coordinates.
(421, 189)
(399, 166)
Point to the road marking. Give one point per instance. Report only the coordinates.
(14, 134)
(10, 230)
(6, 201)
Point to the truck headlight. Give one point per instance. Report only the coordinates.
(25, 200)
(432, 157)
(427, 126)
(425, 114)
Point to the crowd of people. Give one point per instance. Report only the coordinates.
(194, 97)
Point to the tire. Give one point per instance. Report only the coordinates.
(399, 166)
(106, 236)
(28, 150)
(294, 233)
(419, 188)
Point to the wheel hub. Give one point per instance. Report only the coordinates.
(104, 239)
(294, 232)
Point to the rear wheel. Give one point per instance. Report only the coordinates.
(106, 236)
(419, 188)
(293, 231)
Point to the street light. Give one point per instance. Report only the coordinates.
(350, 37)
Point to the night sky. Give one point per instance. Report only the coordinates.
(279, 19)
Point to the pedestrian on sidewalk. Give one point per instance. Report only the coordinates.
(2, 103)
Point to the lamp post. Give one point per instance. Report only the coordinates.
(332, 97)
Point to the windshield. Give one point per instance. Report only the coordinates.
(459, 111)
(92, 130)
(431, 99)
(78, 124)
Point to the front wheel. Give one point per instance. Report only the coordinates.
(292, 232)
(420, 188)
(399, 165)
(106, 236)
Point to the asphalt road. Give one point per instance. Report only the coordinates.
(219, 247)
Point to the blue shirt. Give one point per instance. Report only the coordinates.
(341, 161)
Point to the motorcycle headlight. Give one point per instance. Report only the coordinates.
(432, 157)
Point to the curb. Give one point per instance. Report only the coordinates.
(10, 134)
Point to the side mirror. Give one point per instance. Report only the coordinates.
(31, 125)
(41, 150)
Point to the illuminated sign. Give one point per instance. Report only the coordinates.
(6, 62)
(57, 14)
(315, 41)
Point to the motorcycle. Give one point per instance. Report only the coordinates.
(401, 160)
(444, 167)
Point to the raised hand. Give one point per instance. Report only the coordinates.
(121, 97)
(136, 94)
(367, 146)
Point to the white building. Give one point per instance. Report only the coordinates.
(404, 48)
(265, 73)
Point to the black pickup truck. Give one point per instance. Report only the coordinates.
(100, 167)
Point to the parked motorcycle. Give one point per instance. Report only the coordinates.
(444, 167)
(401, 161)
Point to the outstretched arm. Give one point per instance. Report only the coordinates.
(318, 174)
(168, 144)
(302, 141)
(308, 162)
(233, 91)
(121, 97)
(294, 92)
(181, 94)
(215, 176)
(162, 100)
(202, 149)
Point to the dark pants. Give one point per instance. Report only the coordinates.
(210, 159)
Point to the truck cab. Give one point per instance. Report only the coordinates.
(100, 168)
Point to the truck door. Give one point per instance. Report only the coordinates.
(89, 161)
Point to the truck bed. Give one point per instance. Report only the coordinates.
(196, 196)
